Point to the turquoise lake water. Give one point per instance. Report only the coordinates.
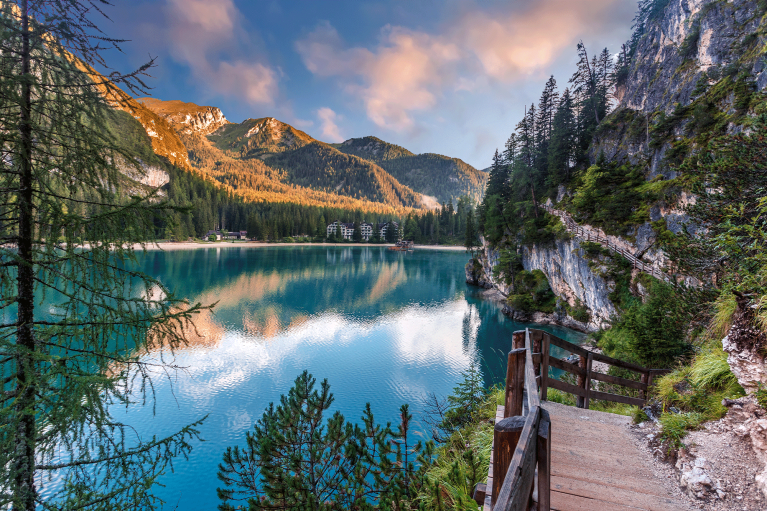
(383, 327)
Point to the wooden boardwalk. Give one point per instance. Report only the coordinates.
(568, 458)
(595, 465)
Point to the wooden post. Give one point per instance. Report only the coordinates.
(480, 490)
(545, 365)
(518, 339)
(505, 438)
(544, 462)
(580, 400)
(643, 380)
(587, 382)
(537, 338)
(515, 383)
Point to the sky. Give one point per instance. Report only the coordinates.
(439, 76)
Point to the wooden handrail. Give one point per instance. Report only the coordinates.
(522, 436)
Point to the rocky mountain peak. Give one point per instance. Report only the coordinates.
(187, 117)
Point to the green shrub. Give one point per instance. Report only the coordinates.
(531, 292)
(579, 312)
(609, 195)
(651, 333)
(674, 426)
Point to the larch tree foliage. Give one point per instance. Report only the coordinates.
(75, 316)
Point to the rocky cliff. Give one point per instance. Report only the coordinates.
(693, 53)
(572, 278)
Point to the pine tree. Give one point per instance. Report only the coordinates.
(357, 233)
(561, 154)
(76, 312)
(497, 179)
(296, 459)
(470, 239)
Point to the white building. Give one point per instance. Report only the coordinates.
(383, 229)
(347, 230)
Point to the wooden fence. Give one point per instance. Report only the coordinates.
(592, 235)
(522, 436)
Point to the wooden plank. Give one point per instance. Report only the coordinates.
(515, 382)
(619, 363)
(479, 493)
(592, 455)
(545, 366)
(646, 486)
(614, 495)
(505, 440)
(607, 378)
(518, 339)
(568, 502)
(544, 462)
(572, 348)
(566, 387)
(515, 491)
(584, 381)
(619, 476)
(565, 366)
(604, 396)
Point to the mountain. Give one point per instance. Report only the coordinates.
(436, 175)
(262, 158)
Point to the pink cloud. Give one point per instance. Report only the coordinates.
(209, 38)
(330, 130)
(410, 71)
(400, 77)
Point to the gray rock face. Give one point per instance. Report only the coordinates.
(571, 278)
(661, 76)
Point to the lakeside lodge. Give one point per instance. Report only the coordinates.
(225, 235)
(347, 229)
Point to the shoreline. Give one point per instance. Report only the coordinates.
(169, 246)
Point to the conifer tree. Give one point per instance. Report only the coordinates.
(296, 459)
(561, 152)
(76, 314)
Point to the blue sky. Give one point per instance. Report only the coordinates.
(449, 77)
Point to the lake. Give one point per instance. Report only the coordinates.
(383, 327)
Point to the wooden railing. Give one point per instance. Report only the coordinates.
(522, 435)
(592, 235)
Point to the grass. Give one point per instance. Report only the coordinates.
(463, 460)
(697, 391)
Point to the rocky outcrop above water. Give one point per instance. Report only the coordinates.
(572, 278)
(569, 274)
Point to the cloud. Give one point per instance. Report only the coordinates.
(401, 76)
(210, 39)
(410, 71)
(330, 131)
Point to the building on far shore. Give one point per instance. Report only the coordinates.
(347, 229)
(226, 235)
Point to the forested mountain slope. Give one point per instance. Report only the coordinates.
(436, 175)
(621, 148)
(263, 158)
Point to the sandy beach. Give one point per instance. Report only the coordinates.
(167, 246)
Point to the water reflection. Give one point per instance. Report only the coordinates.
(383, 327)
